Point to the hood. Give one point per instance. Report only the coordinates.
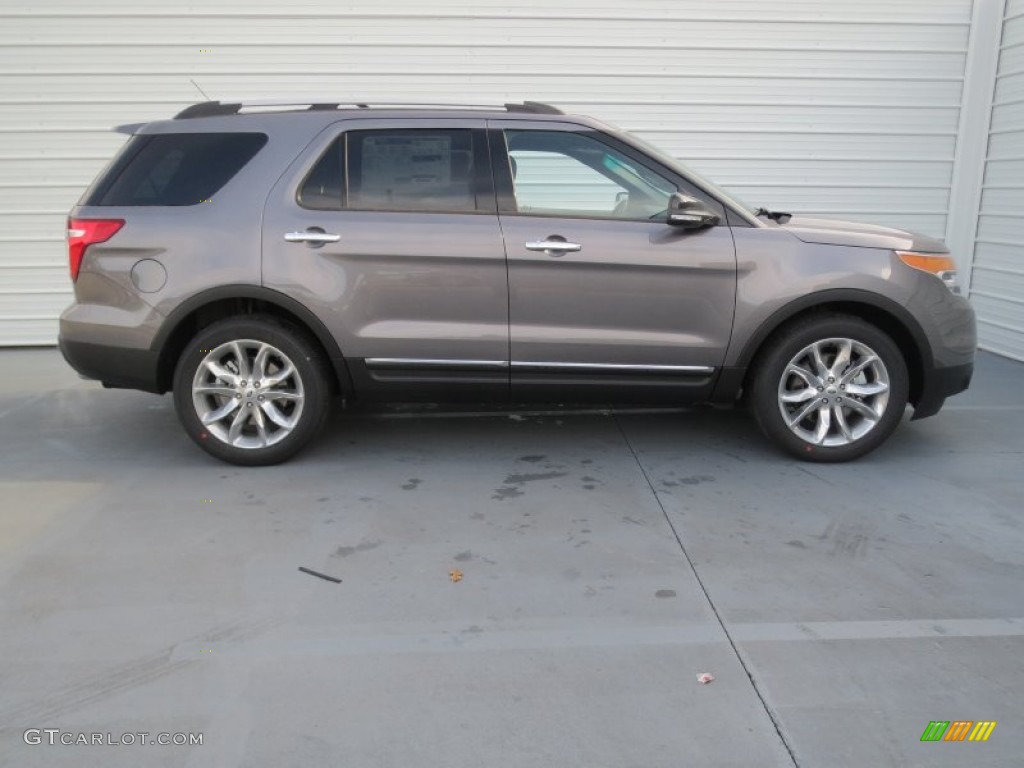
(835, 232)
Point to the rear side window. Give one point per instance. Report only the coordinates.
(411, 170)
(174, 168)
(400, 170)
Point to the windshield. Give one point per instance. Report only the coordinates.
(679, 165)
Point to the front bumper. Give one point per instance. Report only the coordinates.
(938, 384)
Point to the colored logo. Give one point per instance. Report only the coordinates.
(958, 730)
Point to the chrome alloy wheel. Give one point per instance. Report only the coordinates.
(834, 392)
(248, 394)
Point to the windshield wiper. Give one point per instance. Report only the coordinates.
(779, 216)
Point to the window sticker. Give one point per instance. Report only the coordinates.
(405, 167)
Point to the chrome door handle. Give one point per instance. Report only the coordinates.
(553, 246)
(318, 238)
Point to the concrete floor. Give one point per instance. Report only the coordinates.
(607, 561)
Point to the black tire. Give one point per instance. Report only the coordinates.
(768, 386)
(301, 399)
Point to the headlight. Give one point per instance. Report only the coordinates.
(939, 264)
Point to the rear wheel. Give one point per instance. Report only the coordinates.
(251, 390)
(831, 388)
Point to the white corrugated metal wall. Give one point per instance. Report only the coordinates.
(997, 275)
(847, 108)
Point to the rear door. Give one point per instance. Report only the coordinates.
(387, 230)
(607, 301)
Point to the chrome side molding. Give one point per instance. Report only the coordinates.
(413, 362)
(612, 367)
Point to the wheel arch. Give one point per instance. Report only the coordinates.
(204, 308)
(885, 314)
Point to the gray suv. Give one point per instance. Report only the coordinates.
(258, 258)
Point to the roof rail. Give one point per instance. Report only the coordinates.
(217, 108)
(534, 107)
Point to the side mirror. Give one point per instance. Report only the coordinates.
(689, 212)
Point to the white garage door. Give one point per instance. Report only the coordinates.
(845, 107)
(997, 279)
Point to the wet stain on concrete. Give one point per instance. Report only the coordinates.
(797, 544)
(464, 557)
(513, 483)
(506, 492)
(665, 593)
(696, 480)
(533, 477)
(848, 539)
(533, 459)
(364, 546)
(477, 516)
(411, 484)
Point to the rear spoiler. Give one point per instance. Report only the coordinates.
(129, 129)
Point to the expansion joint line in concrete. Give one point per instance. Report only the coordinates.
(689, 561)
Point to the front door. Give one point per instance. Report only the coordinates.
(605, 298)
(388, 231)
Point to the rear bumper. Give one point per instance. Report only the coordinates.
(938, 384)
(115, 367)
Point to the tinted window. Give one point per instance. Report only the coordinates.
(570, 174)
(174, 168)
(323, 187)
(411, 170)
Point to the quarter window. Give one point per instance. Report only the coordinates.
(174, 168)
(324, 186)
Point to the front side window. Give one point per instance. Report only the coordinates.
(565, 173)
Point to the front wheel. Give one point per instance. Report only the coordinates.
(251, 390)
(829, 389)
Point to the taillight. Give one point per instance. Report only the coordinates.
(85, 232)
